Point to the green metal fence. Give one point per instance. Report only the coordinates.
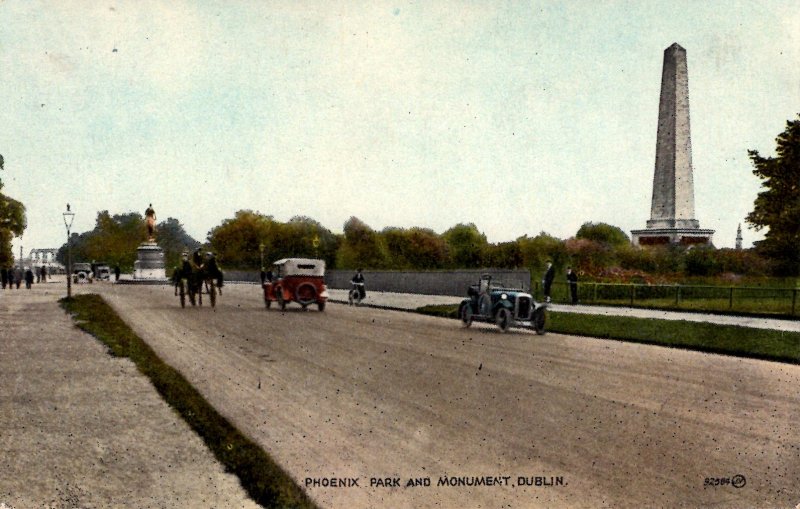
(779, 301)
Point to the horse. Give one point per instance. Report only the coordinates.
(200, 275)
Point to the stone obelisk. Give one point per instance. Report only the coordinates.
(672, 219)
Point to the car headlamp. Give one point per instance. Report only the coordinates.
(503, 296)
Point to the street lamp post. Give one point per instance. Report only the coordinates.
(68, 217)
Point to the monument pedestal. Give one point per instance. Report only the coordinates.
(149, 265)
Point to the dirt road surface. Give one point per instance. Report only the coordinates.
(358, 393)
(81, 429)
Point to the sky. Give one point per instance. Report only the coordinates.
(519, 117)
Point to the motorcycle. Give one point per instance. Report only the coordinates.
(354, 296)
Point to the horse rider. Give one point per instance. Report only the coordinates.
(213, 269)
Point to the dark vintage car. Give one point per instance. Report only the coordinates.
(82, 273)
(489, 301)
(298, 280)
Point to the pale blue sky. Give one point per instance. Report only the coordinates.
(518, 116)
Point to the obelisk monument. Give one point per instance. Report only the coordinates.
(672, 219)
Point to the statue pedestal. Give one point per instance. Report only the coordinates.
(150, 262)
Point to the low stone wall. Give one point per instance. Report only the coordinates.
(439, 282)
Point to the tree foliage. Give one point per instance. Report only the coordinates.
(12, 222)
(777, 207)
(466, 245)
(242, 241)
(115, 238)
(603, 233)
(361, 247)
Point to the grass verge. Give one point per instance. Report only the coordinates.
(705, 337)
(260, 476)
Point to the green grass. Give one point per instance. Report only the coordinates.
(258, 473)
(705, 337)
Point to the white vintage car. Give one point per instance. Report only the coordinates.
(301, 280)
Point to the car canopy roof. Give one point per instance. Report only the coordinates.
(300, 267)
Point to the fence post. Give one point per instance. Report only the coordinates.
(730, 299)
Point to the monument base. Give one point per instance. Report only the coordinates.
(149, 265)
(667, 236)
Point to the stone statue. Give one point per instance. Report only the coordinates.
(150, 220)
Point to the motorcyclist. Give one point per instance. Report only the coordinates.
(358, 280)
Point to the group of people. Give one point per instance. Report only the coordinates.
(572, 281)
(14, 276)
(195, 264)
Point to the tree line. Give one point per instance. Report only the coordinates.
(12, 222)
(598, 251)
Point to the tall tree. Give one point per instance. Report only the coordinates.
(467, 246)
(12, 222)
(361, 247)
(607, 234)
(777, 207)
(115, 238)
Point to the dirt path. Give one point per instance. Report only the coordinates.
(79, 428)
(355, 393)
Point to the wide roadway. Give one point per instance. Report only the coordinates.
(360, 393)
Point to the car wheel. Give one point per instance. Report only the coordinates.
(306, 294)
(465, 313)
(503, 319)
(321, 306)
(539, 322)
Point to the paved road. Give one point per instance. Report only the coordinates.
(355, 393)
(79, 428)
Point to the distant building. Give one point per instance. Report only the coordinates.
(672, 219)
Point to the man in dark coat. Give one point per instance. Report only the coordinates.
(572, 280)
(547, 280)
(43, 274)
(28, 278)
(117, 272)
(4, 277)
(358, 278)
(18, 276)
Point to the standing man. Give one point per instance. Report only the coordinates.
(28, 278)
(4, 277)
(572, 280)
(43, 274)
(116, 272)
(547, 280)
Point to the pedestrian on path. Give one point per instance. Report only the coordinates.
(4, 277)
(547, 280)
(28, 278)
(572, 280)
